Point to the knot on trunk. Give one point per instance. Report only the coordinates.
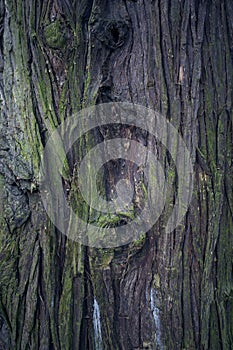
(113, 33)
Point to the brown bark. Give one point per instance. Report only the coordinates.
(57, 57)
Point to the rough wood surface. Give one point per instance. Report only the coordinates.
(59, 56)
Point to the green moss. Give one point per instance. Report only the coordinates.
(127, 214)
(86, 89)
(89, 97)
(54, 35)
(110, 220)
(140, 241)
(63, 103)
(144, 190)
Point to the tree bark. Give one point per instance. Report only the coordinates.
(165, 290)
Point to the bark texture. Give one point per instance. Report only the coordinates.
(163, 291)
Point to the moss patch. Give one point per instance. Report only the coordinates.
(54, 35)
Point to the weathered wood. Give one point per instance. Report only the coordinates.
(57, 57)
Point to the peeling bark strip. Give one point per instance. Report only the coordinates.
(175, 57)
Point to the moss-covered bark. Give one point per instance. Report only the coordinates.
(175, 57)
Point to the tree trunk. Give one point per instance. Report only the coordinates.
(165, 290)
